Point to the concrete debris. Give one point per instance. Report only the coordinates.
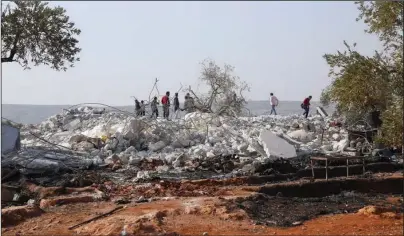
(91, 137)
(301, 135)
(321, 112)
(276, 147)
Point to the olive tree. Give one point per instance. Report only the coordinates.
(362, 84)
(32, 32)
(225, 90)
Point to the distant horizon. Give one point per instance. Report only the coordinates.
(34, 114)
(24, 104)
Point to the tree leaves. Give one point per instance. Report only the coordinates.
(34, 33)
(385, 18)
(364, 84)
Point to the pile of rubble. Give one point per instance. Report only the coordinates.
(87, 136)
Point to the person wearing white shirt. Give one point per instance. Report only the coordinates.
(273, 100)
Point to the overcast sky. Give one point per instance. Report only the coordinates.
(275, 46)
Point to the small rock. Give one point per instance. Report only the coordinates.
(296, 223)
(112, 159)
(199, 152)
(210, 154)
(162, 169)
(336, 137)
(122, 200)
(143, 175)
(31, 202)
(157, 146)
(133, 160)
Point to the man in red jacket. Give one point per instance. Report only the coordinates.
(166, 105)
(306, 106)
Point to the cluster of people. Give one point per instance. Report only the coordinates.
(140, 108)
(274, 102)
(189, 106)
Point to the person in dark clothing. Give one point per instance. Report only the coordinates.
(306, 106)
(142, 108)
(188, 104)
(137, 107)
(176, 103)
(166, 105)
(153, 106)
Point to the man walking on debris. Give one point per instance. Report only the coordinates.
(166, 105)
(273, 100)
(154, 108)
(306, 106)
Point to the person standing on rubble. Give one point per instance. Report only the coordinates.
(137, 107)
(191, 104)
(166, 105)
(188, 104)
(176, 105)
(153, 106)
(273, 100)
(306, 106)
(142, 108)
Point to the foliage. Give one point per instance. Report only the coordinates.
(363, 84)
(384, 18)
(225, 95)
(393, 129)
(357, 81)
(33, 32)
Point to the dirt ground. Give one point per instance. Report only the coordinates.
(209, 208)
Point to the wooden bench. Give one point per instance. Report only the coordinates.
(326, 159)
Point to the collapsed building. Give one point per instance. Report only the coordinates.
(87, 137)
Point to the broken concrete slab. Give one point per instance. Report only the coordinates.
(321, 112)
(10, 138)
(276, 147)
(72, 125)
